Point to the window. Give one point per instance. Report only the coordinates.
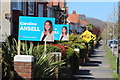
(40, 10)
(31, 7)
(17, 5)
(24, 8)
(49, 12)
(82, 17)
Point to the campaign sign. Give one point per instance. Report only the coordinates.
(36, 28)
(61, 32)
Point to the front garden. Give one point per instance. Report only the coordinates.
(44, 64)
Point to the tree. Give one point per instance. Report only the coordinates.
(111, 26)
(90, 27)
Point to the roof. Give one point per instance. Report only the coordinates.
(50, 3)
(62, 3)
(55, 2)
(74, 18)
(66, 9)
(84, 22)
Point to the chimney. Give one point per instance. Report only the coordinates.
(74, 12)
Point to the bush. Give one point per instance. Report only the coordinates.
(73, 59)
(30, 48)
(9, 50)
(91, 46)
(44, 65)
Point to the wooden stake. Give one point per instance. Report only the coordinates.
(45, 48)
(56, 73)
(19, 47)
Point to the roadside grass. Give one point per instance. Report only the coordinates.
(112, 61)
(119, 76)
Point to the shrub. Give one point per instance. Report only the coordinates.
(30, 49)
(44, 65)
(62, 48)
(9, 50)
(73, 59)
(91, 46)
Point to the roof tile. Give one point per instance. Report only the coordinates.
(55, 2)
(74, 18)
(84, 22)
(62, 3)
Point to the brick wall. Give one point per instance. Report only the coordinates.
(23, 69)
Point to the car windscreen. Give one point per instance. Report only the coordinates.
(113, 42)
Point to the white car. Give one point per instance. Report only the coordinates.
(113, 43)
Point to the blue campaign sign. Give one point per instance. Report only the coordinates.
(36, 28)
(61, 32)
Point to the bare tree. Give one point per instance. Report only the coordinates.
(113, 18)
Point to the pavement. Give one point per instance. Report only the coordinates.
(97, 68)
(0, 65)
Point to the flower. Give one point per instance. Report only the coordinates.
(62, 47)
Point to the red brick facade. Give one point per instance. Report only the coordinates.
(23, 70)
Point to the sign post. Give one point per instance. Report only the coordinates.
(45, 46)
(41, 29)
(19, 42)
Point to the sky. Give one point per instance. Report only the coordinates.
(99, 10)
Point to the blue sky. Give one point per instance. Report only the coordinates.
(99, 10)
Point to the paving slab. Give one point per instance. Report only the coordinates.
(98, 67)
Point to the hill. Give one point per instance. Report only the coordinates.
(95, 22)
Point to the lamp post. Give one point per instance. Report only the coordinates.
(118, 57)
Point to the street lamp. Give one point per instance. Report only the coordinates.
(118, 57)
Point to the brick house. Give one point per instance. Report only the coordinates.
(5, 19)
(83, 22)
(60, 11)
(74, 21)
(12, 11)
(37, 9)
(77, 22)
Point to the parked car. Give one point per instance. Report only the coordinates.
(113, 43)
